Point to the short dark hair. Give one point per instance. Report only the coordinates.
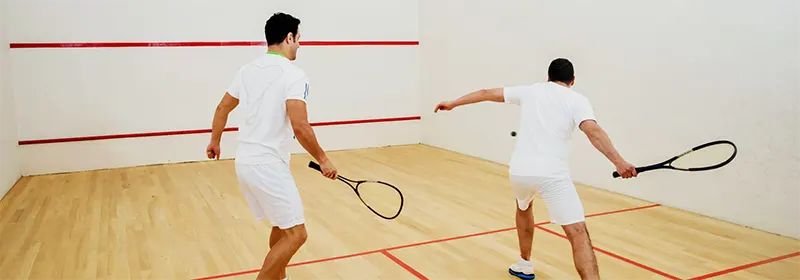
(278, 26)
(561, 71)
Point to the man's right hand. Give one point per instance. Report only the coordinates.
(328, 170)
(626, 170)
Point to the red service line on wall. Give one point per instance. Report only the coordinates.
(196, 131)
(199, 44)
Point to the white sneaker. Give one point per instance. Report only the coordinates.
(522, 269)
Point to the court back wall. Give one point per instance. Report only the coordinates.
(663, 76)
(9, 161)
(76, 92)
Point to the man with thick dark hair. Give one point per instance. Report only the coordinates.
(273, 93)
(549, 113)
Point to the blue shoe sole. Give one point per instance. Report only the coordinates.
(521, 275)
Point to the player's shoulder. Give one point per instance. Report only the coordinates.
(524, 88)
(293, 71)
(578, 97)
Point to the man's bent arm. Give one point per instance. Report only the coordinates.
(225, 106)
(298, 115)
(601, 141)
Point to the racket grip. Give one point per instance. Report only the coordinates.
(314, 165)
(638, 170)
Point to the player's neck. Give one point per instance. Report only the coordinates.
(276, 50)
(563, 84)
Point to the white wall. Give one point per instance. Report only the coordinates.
(83, 92)
(9, 160)
(663, 76)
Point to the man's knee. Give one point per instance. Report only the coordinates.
(576, 231)
(528, 207)
(296, 234)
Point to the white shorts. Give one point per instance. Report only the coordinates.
(271, 192)
(559, 195)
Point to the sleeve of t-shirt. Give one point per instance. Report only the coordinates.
(513, 94)
(298, 87)
(236, 85)
(583, 111)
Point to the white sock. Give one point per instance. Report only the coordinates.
(524, 261)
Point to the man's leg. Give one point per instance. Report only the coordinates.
(566, 209)
(274, 237)
(524, 190)
(582, 252)
(525, 231)
(279, 255)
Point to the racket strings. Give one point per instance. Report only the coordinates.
(383, 199)
(705, 157)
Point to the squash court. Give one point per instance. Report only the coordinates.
(108, 111)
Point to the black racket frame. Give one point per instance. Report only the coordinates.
(315, 166)
(667, 164)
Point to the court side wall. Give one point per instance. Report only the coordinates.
(77, 92)
(663, 76)
(9, 161)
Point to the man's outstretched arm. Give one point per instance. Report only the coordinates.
(296, 109)
(493, 94)
(602, 143)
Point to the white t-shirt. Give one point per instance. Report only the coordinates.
(548, 116)
(262, 87)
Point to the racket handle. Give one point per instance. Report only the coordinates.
(640, 169)
(314, 165)
(616, 174)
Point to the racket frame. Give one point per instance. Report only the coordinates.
(667, 164)
(315, 166)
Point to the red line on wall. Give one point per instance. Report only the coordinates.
(413, 245)
(199, 44)
(659, 272)
(195, 131)
(746, 266)
(404, 265)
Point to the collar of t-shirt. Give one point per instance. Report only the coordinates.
(276, 53)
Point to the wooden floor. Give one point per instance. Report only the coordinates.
(189, 221)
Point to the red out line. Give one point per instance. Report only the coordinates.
(194, 131)
(414, 245)
(623, 210)
(199, 44)
(746, 266)
(616, 256)
(404, 265)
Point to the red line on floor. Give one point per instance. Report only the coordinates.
(198, 44)
(413, 245)
(615, 255)
(195, 131)
(623, 210)
(746, 266)
(404, 265)
(292, 264)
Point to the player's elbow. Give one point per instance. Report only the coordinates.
(300, 126)
(494, 94)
